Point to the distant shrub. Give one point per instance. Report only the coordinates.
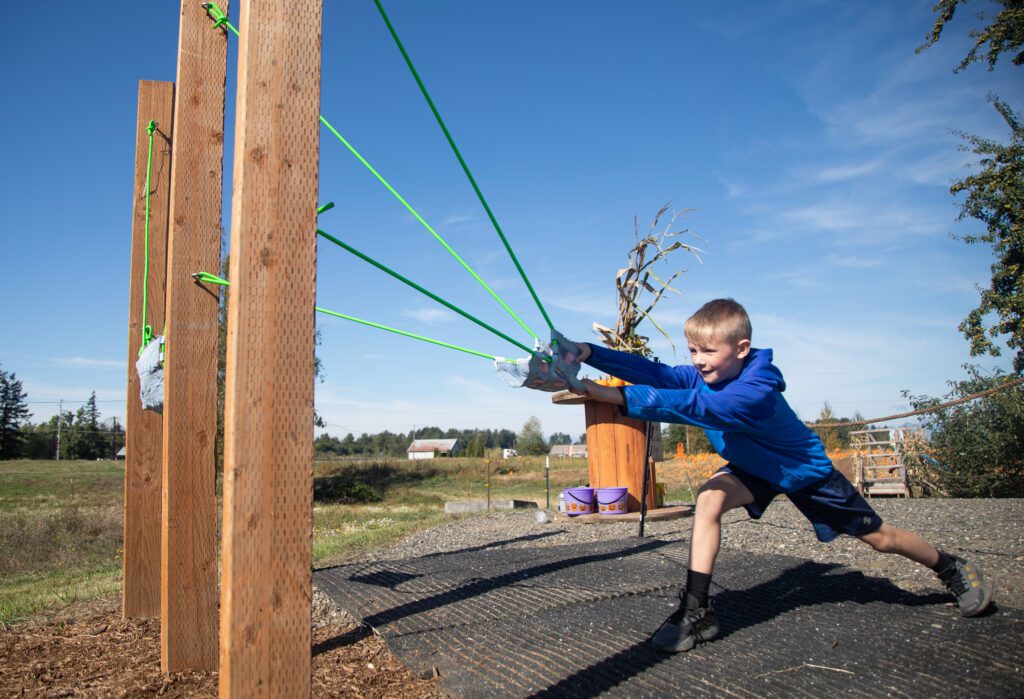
(976, 448)
(343, 489)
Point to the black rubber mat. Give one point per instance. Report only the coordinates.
(572, 621)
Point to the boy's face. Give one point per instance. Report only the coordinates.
(718, 360)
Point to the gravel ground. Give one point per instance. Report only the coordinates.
(987, 532)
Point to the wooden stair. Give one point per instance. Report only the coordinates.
(880, 467)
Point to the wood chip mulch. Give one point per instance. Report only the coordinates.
(90, 651)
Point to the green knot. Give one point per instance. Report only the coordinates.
(151, 127)
(147, 337)
(220, 18)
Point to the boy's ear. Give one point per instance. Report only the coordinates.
(742, 349)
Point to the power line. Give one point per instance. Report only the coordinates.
(55, 402)
(921, 411)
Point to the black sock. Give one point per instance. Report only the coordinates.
(698, 584)
(945, 560)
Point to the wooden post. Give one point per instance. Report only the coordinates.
(188, 601)
(267, 581)
(140, 564)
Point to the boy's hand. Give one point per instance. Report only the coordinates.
(566, 361)
(605, 394)
(567, 350)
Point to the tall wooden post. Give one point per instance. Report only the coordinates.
(267, 581)
(188, 637)
(140, 571)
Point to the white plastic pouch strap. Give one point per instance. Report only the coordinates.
(151, 375)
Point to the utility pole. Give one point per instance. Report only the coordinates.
(60, 418)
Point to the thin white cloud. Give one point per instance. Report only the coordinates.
(841, 173)
(799, 278)
(598, 304)
(733, 188)
(430, 315)
(867, 219)
(89, 363)
(855, 261)
(458, 219)
(940, 167)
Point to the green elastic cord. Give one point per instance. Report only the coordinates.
(406, 334)
(220, 19)
(208, 278)
(414, 285)
(214, 279)
(426, 225)
(462, 162)
(147, 330)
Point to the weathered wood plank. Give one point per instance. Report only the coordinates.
(189, 532)
(267, 582)
(140, 563)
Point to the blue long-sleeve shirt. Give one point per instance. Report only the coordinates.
(746, 418)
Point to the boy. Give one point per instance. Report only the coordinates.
(734, 392)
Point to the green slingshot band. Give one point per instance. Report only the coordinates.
(209, 278)
(425, 292)
(426, 225)
(147, 330)
(220, 19)
(405, 333)
(462, 162)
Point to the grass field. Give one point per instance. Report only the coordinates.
(61, 521)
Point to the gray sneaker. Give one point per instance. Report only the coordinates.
(687, 626)
(963, 579)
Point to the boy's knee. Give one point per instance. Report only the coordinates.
(710, 502)
(882, 540)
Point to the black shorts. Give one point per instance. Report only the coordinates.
(832, 504)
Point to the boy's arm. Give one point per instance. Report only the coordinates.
(638, 370)
(737, 408)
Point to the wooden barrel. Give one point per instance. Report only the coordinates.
(616, 449)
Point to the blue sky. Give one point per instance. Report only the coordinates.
(812, 144)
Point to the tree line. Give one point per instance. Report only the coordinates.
(71, 434)
(474, 442)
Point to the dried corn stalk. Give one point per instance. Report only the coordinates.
(637, 295)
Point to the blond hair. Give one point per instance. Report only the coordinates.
(721, 320)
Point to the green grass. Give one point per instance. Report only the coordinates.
(51, 484)
(55, 555)
(61, 521)
(342, 532)
(26, 594)
(434, 481)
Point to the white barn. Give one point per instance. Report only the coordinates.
(429, 448)
(571, 451)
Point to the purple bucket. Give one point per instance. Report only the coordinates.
(612, 501)
(579, 501)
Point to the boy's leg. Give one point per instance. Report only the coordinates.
(962, 578)
(721, 493)
(694, 621)
(887, 539)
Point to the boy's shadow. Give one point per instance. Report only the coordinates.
(805, 585)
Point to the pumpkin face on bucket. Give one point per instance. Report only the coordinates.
(579, 501)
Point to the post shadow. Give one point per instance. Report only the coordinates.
(480, 586)
(803, 585)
